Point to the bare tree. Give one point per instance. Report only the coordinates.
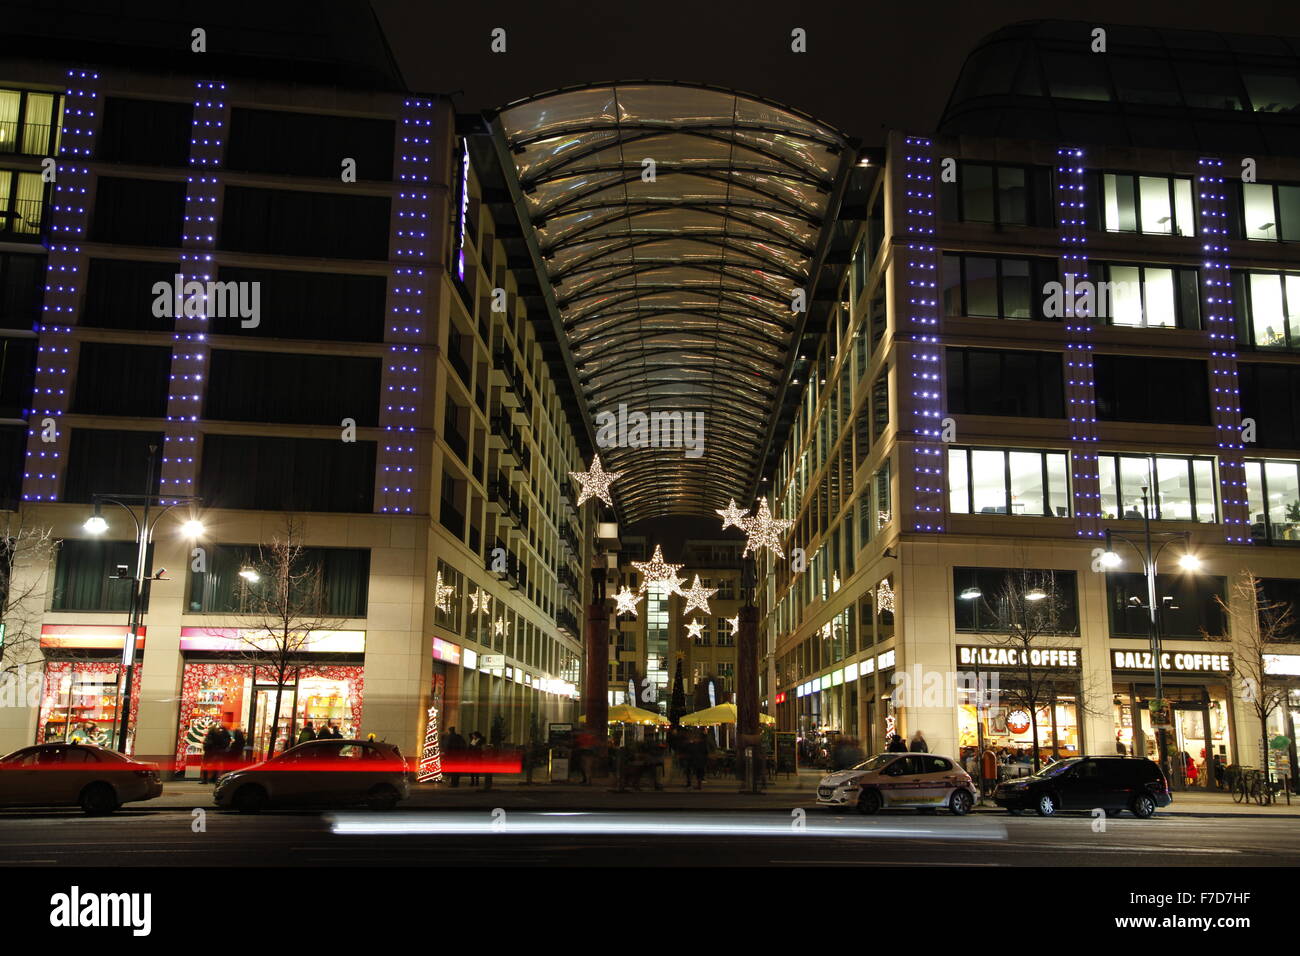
(1028, 618)
(1257, 629)
(282, 602)
(26, 553)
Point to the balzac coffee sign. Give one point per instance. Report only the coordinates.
(1175, 661)
(1053, 657)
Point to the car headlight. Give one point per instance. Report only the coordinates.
(848, 785)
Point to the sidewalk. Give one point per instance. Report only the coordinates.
(780, 795)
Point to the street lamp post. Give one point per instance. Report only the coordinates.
(1150, 560)
(145, 522)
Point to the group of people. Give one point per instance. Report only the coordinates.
(223, 750)
(916, 745)
(455, 747)
(327, 732)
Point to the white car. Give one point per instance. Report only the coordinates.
(900, 780)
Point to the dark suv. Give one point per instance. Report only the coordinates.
(1112, 784)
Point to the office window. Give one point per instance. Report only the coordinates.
(340, 589)
(292, 388)
(17, 371)
(30, 122)
(1187, 604)
(880, 404)
(309, 144)
(1144, 81)
(145, 132)
(1007, 195)
(127, 380)
(1160, 391)
(294, 223)
(107, 461)
(1180, 488)
(979, 595)
(1077, 76)
(138, 212)
(1267, 309)
(287, 474)
(120, 295)
(1269, 212)
(1008, 482)
(991, 382)
(330, 306)
(89, 575)
(989, 287)
(1152, 205)
(1270, 394)
(1149, 296)
(1273, 495)
(22, 289)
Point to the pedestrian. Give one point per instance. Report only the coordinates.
(453, 750)
(475, 748)
(235, 753)
(918, 745)
(699, 754)
(989, 770)
(1119, 746)
(307, 734)
(216, 743)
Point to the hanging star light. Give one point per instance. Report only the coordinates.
(695, 629)
(442, 594)
(626, 601)
(595, 482)
(735, 624)
(764, 531)
(499, 627)
(698, 597)
(479, 600)
(885, 596)
(732, 517)
(658, 571)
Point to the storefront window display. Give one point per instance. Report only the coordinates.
(1007, 729)
(1199, 736)
(240, 695)
(79, 702)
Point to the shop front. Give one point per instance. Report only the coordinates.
(1283, 676)
(82, 681)
(1010, 692)
(1197, 720)
(229, 679)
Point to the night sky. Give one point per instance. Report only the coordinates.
(869, 65)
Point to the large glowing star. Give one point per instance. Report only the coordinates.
(764, 531)
(698, 597)
(595, 482)
(479, 600)
(499, 627)
(626, 601)
(695, 629)
(442, 594)
(732, 517)
(735, 624)
(658, 571)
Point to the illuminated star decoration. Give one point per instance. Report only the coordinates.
(480, 600)
(764, 531)
(732, 517)
(626, 600)
(658, 571)
(698, 597)
(885, 596)
(695, 629)
(735, 624)
(442, 594)
(595, 482)
(499, 627)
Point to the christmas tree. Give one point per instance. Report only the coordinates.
(431, 756)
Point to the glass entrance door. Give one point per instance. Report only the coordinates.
(264, 707)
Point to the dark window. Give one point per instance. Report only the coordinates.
(1007, 195)
(979, 597)
(127, 380)
(344, 579)
(13, 455)
(1270, 394)
(287, 474)
(331, 306)
(87, 575)
(1077, 76)
(105, 461)
(309, 144)
(292, 388)
(120, 295)
(17, 369)
(1018, 384)
(22, 289)
(1277, 595)
(1160, 391)
(1144, 80)
(1187, 603)
(880, 404)
(988, 287)
(138, 212)
(287, 223)
(145, 132)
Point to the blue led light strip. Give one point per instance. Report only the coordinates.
(1220, 327)
(919, 353)
(401, 406)
(1080, 385)
(65, 273)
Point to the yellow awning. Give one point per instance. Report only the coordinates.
(623, 714)
(721, 714)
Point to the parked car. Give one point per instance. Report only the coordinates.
(75, 775)
(321, 773)
(900, 780)
(1113, 784)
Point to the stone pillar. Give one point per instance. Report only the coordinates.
(747, 734)
(596, 676)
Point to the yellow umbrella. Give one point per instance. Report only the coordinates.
(623, 714)
(721, 714)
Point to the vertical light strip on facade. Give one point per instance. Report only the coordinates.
(1216, 300)
(188, 378)
(920, 367)
(405, 305)
(1080, 385)
(65, 272)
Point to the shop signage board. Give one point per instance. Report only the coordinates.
(491, 661)
(1189, 662)
(786, 759)
(1050, 657)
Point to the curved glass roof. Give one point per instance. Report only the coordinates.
(673, 278)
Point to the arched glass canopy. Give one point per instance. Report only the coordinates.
(674, 224)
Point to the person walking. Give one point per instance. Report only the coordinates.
(216, 742)
(307, 734)
(475, 748)
(918, 744)
(698, 750)
(897, 745)
(453, 750)
(235, 752)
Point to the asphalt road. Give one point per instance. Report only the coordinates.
(160, 837)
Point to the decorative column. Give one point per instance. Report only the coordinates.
(1080, 384)
(596, 674)
(920, 358)
(747, 731)
(56, 361)
(1220, 327)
